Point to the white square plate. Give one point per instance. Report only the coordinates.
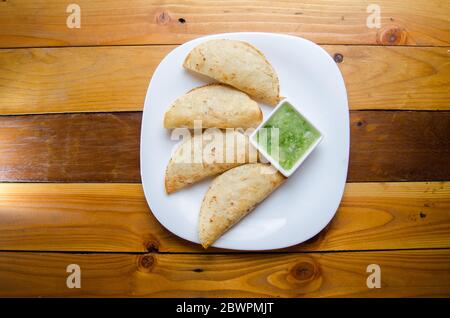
(308, 200)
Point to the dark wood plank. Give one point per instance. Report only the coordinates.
(403, 273)
(115, 78)
(43, 22)
(70, 147)
(400, 146)
(385, 146)
(115, 217)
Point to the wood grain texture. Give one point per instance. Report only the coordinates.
(395, 77)
(76, 79)
(43, 22)
(70, 147)
(100, 79)
(116, 218)
(404, 273)
(385, 146)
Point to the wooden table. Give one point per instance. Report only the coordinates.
(70, 192)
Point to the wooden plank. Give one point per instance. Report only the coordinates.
(43, 22)
(403, 273)
(395, 77)
(47, 80)
(385, 146)
(84, 79)
(77, 217)
(116, 218)
(413, 146)
(70, 147)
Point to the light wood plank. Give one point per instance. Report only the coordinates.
(43, 22)
(84, 79)
(403, 273)
(77, 217)
(98, 79)
(385, 146)
(395, 77)
(115, 217)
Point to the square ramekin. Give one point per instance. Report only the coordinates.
(272, 160)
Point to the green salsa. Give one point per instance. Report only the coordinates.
(295, 136)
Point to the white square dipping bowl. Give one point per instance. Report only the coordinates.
(273, 160)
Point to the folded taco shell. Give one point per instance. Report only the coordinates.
(216, 105)
(238, 64)
(206, 155)
(232, 195)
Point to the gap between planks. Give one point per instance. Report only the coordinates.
(178, 44)
(217, 251)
